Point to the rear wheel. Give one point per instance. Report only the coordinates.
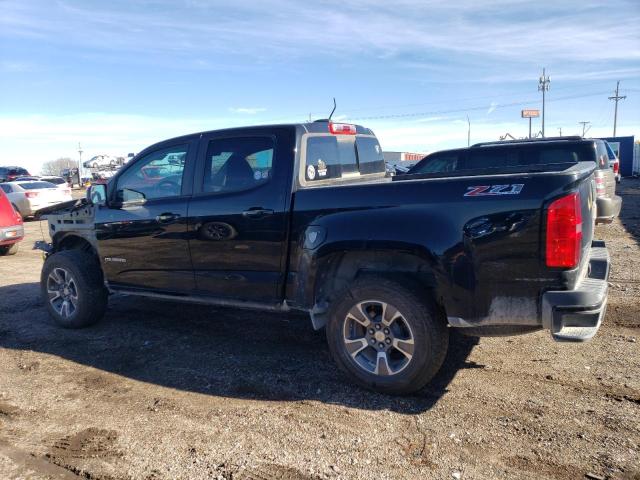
(9, 249)
(72, 289)
(387, 335)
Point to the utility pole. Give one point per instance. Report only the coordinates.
(543, 86)
(616, 97)
(560, 130)
(79, 166)
(468, 132)
(584, 127)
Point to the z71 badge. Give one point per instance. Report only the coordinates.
(491, 190)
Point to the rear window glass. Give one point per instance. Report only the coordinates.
(36, 185)
(492, 159)
(370, 158)
(55, 181)
(602, 155)
(18, 171)
(503, 157)
(339, 156)
(437, 163)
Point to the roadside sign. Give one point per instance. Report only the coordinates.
(530, 113)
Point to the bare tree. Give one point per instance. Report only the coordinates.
(55, 167)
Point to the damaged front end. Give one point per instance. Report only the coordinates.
(76, 217)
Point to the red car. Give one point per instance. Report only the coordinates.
(11, 229)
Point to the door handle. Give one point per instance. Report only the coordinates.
(167, 217)
(257, 212)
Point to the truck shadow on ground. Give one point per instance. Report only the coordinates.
(223, 352)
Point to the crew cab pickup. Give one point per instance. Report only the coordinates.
(304, 217)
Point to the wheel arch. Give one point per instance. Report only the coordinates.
(72, 241)
(322, 278)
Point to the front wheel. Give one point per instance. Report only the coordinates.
(9, 249)
(72, 288)
(387, 335)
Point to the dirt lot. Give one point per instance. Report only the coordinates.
(162, 390)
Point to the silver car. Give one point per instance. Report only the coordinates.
(29, 196)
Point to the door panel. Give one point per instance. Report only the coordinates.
(238, 218)
(143, 234)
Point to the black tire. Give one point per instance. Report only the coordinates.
(9, 249)
(417, 311)
(90, 292)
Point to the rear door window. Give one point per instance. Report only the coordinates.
(238, 163)
(5, 188)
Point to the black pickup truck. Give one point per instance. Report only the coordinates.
(304, 217)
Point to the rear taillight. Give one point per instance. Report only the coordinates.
(342, 129)
(67, 191)
(601, 189)
(616, 167)
(564, 232)
(31, 194)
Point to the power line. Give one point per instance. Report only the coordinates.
(469, 109)
(617, 98)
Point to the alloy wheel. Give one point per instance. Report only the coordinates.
(63, 292)
(378, 338)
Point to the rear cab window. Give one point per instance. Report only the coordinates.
(330, 158)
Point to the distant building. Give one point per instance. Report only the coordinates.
(395, 157)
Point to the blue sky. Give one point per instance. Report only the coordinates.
(120, 75)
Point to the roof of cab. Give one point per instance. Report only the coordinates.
(318, 126)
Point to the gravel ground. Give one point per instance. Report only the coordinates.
(163, 390)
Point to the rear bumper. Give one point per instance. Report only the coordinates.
(576, 315)
(608, 208)
(11, 235)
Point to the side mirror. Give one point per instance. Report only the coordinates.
(97, 194)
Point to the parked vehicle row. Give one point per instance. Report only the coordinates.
(491, 240)
(11, 229)
(8, 174)
(29, 196)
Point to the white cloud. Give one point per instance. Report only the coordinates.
(8, 66)
(574, 30)
(247, 111)
(30, 140)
